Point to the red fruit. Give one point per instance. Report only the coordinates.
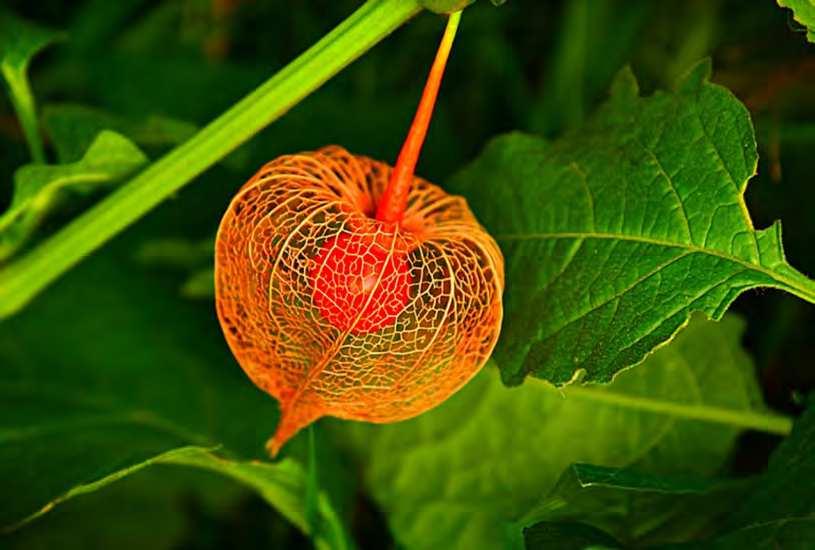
(359, 284)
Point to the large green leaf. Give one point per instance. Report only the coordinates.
(19, 43)
(615, 234)
(804, 12)
(461, 475)
(38, 187)
(109, 373)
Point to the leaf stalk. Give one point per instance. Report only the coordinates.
(392, 205)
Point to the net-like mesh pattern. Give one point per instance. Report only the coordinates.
(336, 313)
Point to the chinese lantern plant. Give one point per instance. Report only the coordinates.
(352, 289)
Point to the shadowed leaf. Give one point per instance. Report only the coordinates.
(637, 508)
(566, 536)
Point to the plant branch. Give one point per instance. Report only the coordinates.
(25, 278)
(392, 205)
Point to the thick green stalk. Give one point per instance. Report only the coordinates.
(25, 278)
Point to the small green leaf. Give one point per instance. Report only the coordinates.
(38, 187)
(804, 12)
(613, 235)
(73, 128)
(567, 536)
(20, 41)
(460, 475)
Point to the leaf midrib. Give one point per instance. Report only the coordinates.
(804, 292)
(766, 422)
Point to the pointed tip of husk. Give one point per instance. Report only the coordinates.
(292, 420)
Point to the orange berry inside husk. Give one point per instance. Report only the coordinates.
(359, 284)
(335, 313)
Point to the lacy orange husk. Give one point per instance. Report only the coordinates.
(426, 320)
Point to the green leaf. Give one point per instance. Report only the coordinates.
(73, 128)
(566, 536)
(618, 232)
(39, 187)
(804, 12)
(145, 379)
(637, 508)
(20, 41)
(461, 475)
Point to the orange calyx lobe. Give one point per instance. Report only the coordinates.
(360, 283)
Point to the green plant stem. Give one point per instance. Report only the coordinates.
(25, 278)
(312, 496)
(23, 101)
(763, 422)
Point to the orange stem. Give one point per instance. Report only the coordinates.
(394, 200)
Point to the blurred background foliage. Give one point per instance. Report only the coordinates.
(155, 70)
